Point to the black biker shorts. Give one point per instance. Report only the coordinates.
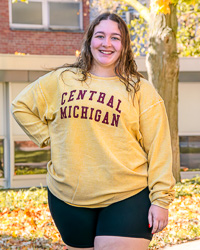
(78, 226)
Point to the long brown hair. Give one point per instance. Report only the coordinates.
(125, 69)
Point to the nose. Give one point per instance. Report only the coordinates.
(106, 42)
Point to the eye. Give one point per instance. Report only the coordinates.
(116, 38)
(100, 36)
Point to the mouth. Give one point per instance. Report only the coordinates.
(106, 52)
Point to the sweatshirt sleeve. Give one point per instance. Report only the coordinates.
(154, 128)
(30, 111)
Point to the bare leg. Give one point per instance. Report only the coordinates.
(120, 243)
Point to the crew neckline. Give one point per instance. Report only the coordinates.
(103, 77)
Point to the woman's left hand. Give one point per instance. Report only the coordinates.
(158, 218)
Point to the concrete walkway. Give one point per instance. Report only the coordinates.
(192, 245)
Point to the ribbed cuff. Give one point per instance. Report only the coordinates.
(161, 204)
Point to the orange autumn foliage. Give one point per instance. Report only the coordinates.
(26, 222)
(161, 6)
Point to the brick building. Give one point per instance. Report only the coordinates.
(43, 27)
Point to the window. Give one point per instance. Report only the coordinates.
(47, 14)
(30, 13)
(64, 13)
(1, 159)
(30, 159)
(190, 152)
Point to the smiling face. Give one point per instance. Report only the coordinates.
(106, 46)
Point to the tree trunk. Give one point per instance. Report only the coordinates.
(163, 70)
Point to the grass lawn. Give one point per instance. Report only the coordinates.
(26, 222)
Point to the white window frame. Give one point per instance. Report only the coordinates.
(12, 180)
(25, 180)
(4, 159)
(4, 136)
(45, 17)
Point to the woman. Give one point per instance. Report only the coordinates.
(110, 176)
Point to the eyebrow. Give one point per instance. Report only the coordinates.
(104, 33)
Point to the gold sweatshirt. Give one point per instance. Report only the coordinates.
(104, 147)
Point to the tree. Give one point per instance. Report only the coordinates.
(188, 34)
(163, 69)
(15, 1)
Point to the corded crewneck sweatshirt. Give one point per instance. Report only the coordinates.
(104, 146)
